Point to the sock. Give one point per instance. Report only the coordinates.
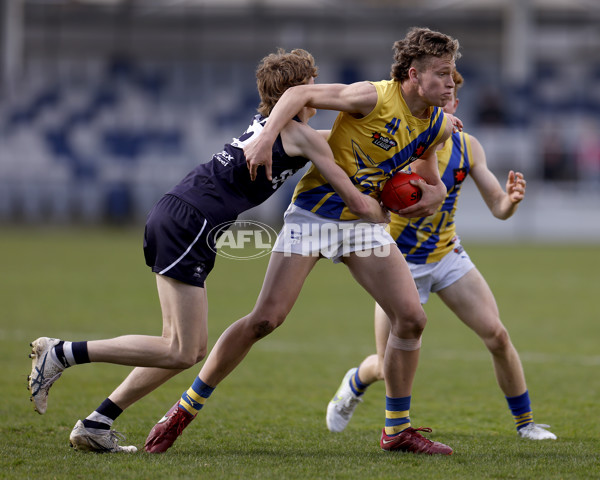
(103, 417)
(70, 353)
(356, 385)
(193, 399)
(396, 415)
(520, 406)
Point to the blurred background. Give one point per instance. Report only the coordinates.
(105, 104)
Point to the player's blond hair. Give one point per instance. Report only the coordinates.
(279, 71)
(419, 45)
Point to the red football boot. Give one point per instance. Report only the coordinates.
(410, 440)
(168, 428)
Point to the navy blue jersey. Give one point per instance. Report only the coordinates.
(221, 189)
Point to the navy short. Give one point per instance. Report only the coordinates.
(176, 242)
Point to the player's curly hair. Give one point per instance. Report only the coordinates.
(418, 46)
(279, 71)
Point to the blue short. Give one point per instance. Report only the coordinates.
(177, 242)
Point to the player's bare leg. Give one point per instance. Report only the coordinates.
(388, 280)
(182, 344)
(371, 368)
(283, 282)
(184, 335)
(281, 287)
(95, 433)
(143, 380)
(471, 299)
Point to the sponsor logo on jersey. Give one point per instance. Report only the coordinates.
(383, 142)
(224, 158)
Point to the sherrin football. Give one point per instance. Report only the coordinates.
(399, 193)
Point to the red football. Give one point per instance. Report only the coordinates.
(398, 193)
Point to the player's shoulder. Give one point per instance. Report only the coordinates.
(471, 140)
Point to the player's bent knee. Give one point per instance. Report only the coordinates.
(201, 355)
(410, 326)
(498, 341)
(263, 325)
(185, 359)
(263, 328)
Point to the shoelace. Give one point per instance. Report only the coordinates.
(115, 437)
(542, 425)
(421, 429)
(179, 419)
(44, 383)
(349, 405)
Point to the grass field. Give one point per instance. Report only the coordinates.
(267, 419)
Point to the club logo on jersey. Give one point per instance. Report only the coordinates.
(369, 177)
(223, 157)
(242, 239)
(459, 175)
(420, 150)
(383, 142)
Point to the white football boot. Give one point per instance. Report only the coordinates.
(98, 440)
(536, 431)
(44, 371)
(342, 405)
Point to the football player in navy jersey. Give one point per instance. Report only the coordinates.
(179, 246)
(439, 264)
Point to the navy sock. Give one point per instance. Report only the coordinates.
(104, 416)
(71, 353)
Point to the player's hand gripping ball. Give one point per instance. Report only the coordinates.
(399, 193)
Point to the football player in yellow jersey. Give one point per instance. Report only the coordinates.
(406, 111)
(439, 264)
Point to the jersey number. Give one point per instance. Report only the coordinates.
(392, 127)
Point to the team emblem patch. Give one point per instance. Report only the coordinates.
(459, 175)
(383, 142)
(420, 150)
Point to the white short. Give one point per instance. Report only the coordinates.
(308, 234)
(433, 277)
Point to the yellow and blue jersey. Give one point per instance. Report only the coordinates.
(429, 239)
(370, 150)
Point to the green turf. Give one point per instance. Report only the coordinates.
(267, 419)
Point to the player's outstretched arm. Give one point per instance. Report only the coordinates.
(502, 204)
(301, 140)
(358, 98)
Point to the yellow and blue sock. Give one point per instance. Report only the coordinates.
(356, 385)
(193, 399)
(396, 415)
(520, 407)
